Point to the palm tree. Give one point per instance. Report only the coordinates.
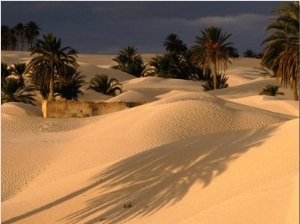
(20, 34)
(19, 70)
(52, 61)
(129, 61)
(102, 84)
(8, 38)
(281, 51)
(211, 50)
(70, 88)
(31, 33)
(13, 90)
(173, 44)
(4, 37)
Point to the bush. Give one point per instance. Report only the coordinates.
(102, 84)
(70, 88)
(221, 82)
(14, 90)
(271, 90)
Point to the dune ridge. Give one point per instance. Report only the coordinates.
(185, 156)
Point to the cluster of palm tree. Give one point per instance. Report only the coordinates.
(20, 36)
(175, 63)
(179, 61)
(52, 72)
(281, 50)
(52, 62)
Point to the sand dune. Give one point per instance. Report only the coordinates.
(186, 156)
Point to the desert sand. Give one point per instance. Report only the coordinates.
(186, 156)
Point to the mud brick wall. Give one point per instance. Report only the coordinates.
(66, 109)
(79, 109)
(105, 108)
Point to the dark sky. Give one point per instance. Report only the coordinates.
(104, 27)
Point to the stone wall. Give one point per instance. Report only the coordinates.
(69, 109)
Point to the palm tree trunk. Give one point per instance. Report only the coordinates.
(215, 75)
(21, 42)
(295, 90)
(51, 86)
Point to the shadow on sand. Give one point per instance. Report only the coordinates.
(144, 183)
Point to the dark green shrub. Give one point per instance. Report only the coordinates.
(221, 82)
(102, 84)
(14, 90)
(70, 88)
(271, 90)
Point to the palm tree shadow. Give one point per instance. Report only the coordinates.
(149, 181)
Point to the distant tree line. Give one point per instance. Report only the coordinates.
(203, 61)
(20, 37)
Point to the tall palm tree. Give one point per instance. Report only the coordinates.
(20, 34)
(281, 51)
(19, 70)
(13, 90)
(211, 50)
(129, 61)
(102, 84)
(32, 30)
(4, 37)
(173, 44)
(8, 38)
(52, 61)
